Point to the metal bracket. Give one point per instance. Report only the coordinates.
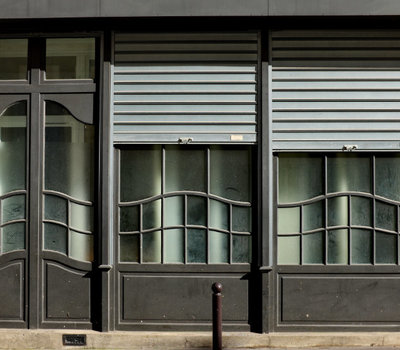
(349, 148)
(185, 140)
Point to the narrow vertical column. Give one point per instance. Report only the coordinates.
(217, 315)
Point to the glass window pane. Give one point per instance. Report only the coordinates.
(241, 219)
(13, 59)
(349, 172)
(313, 216)
(314, 248)
(69, 159)
(129, 248)
(174, 211)
(241, 248)
(13, 148)
(288, 220)
(289, 250)
(81, 217)
(196, 246)
(152, 215)
(386, 248)
(13, 237)
(70, 58)
(387, 173)
(55, 238)
(385, 216)
(300, 177)
(338, 211)
(174, 246)
(219, 215)
(361, 211)
(197, 210)
(361, 246)
(185, 169)
(338, 247)
(13, 208)
(230, 171)
(129, 219)
(219, 247)
(81, 247)
(140, 173)
(55, 208)
(151, 245)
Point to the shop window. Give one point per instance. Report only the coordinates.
(13, 59)
(338, 209)
(185, 204)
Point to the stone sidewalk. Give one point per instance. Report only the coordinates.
(52, 340)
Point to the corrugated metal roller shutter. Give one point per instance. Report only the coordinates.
(335, 88)
(198, 86)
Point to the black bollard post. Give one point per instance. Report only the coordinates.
(217, 315)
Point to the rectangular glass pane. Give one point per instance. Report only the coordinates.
(151, 247)
(197, 210)
(185, 169)
(55, 238)
(314, 216)
(241, 219)
(70, 58)
(13, 59)
(81, 246)
(55, 208)
(386, 248)
(361, 246)
(385, 216)
(289, 250)
(152, 215)
(129, 219)
(387, 173)
(338, 247)
(338, 214)
(288, 220)
(219, 247)
(196, 246)
(174, 211)
(300, 177)
(129, 248)
(314, 248)
(219, 215)
(174, 246)
(361, 211)
(81, 217)
(13, 237)
(241, 248)
(230, 171)
(13, 208)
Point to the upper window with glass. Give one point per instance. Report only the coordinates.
(13, 59)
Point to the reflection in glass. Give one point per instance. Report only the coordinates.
(313, 216)
(300, 177)
(174, 246)
(81, 246)
(289, 250)
(129, 219)
(288, 220)
(241, 248)
(361, 246)
(313, 248)
(13, 59)
(197, 210)
(241, 219)
(13, 148)
(219, 247)
(219, 215)
(361, 211)
(55, 238)
(385, 216)
(338, 247)
(387, 176)
(196, 246)
(13, 237)
(70, 58)
(230, 172)
(152, 215)
(385, 248)
(55, 208)
(81, 217)
(13, 208)
(348, 172)
(185, 169)
(174, 211)
(151, 242)
(338, 211)
(140, 173)
(129, 248)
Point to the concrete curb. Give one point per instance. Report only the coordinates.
(52, 339)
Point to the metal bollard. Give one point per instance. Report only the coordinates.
(217, 315)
